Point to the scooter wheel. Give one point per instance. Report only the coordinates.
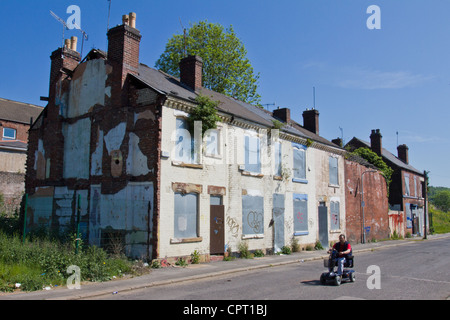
(352, 277)
(337, 280)
(323, 281)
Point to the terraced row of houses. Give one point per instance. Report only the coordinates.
(112, 154)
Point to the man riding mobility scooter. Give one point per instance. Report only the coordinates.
(340, 256)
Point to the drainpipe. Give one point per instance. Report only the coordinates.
(425, 209)
(363, 204)
(78, 236)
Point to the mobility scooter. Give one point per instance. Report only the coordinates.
(332, 276)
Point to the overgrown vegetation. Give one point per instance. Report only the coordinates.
(377, 161)
(439, 209)
(440, 198)
(42, 261)
(206, 112)
(244, 253)
(440, 219)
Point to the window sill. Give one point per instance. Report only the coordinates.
(297, 180)
(301, 233)
(336, 231)
(187, 165)
(333, 185)
(185, 240)
(252, 236)
(412, 197)
(214, 156)
(252, 174)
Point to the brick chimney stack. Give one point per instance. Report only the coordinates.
(403, 153)
(376, 142)
(123, 51)
(191, 69)
(62, 58)
(283, 114)
(311, 120)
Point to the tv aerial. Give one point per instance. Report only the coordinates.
(65, 26)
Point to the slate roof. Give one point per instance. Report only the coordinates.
(171, 86)
(391, 158)
(20, 112)
(13, 145)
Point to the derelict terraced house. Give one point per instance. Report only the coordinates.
(113, 143)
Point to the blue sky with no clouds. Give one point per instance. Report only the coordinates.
(396, 79)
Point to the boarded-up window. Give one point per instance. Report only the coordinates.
(212, 142)
(407, 191)
(334, 179)
(252, 154)
(299, 167)
(415, 186)
(300, 214)
(252, 215)
(334, 215)
(277, 160)
(184, 144)
(408, 216)
(186, 215)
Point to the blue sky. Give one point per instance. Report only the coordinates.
(396, 79)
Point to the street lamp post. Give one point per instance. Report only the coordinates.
(363, 204)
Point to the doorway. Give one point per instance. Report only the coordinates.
(217, 229)
(323, 224)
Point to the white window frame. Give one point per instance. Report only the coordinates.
(5, 137)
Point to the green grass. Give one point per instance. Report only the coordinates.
(39, 263)
(441, 220)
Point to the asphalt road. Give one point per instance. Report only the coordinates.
(416, 271)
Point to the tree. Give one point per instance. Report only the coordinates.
(226, 69)
(442, 200)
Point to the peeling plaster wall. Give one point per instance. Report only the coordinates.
(77, 139)
(175, 177)
(327, 193)
(87, 87)
(136, 161)
(129, 211)
(224, 170)
(97, 156)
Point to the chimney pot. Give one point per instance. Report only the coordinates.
(125, 19)
(68, 44)
(132, 19)
(73, 43)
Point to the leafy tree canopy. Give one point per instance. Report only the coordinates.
(442, 200)
(226, 69)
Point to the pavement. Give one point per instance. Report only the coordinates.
(171, 275)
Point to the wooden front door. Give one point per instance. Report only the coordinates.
(217, 229)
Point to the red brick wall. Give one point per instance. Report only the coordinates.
(376, 203)
(21, 129)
